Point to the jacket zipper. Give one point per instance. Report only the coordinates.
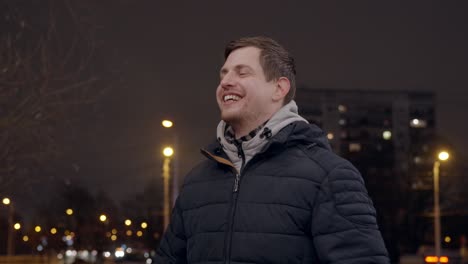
(235, 194)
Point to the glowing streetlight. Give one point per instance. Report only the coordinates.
(6, 201)
(17, 226)
(37, 229)
(11, 211)
(442, 156)
(53, 230)
(144, 225)
(102, 218)
(167, 123)
(175, 178)
(128, 222)
(168, 152)
(69, 211)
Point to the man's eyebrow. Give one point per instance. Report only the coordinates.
(242, 66)
(239, 67)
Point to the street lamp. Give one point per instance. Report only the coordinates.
(167, 152)
(11, 210)
(175, 174)
(442, 156)
(102, 218)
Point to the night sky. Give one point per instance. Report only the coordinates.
(169, 55)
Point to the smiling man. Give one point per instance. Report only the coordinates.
(271, 190)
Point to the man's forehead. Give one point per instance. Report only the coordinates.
(243, 57)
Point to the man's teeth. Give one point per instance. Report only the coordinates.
(231, 97)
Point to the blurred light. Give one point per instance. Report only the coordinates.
(167, 123)
(25, 238)
(113, 237)
(447, 239)
(417, 159)
(342, 122)
(444, 155)
(108, 234)
(6, 201)
(37, 229)
(129, 250)
(434, 259)
(60, 256)
(103, 218)
(128, 222)
(342, 108)
(70, 253)
(129, 232)
(354, 147)
(139, 233)
(17, 226)
(387, 135)
(119, 253)
(106, 254)
(53, 230)
(39, 248)
(144, 225)
(83, 254)
(69, 211)
(114, 231)
(149, 261)
(330, 136)
(168, 151)
(418, 123)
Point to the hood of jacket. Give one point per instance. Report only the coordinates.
(284, 128)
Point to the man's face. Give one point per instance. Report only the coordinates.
(243, 94)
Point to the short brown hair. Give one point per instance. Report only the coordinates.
(275, 60)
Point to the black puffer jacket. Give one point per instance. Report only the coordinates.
(297, 202)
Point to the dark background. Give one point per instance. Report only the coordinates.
(165, 57)
(171, 54)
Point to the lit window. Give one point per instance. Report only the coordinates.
(387, 135)
(418, 123)
(354, 147)
(417, 160)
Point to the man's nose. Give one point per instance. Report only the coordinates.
(228, 80)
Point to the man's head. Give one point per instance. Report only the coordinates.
(256, 80)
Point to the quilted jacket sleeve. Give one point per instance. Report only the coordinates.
(173, 244)
(344, 225)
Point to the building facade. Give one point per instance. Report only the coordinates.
(389, 136)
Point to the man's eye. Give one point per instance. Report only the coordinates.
(243, 73)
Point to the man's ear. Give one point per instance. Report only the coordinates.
(282, 88)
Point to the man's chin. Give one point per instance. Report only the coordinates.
(229, 117)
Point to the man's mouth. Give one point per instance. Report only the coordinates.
(231, 98)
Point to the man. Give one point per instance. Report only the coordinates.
(270, 190)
